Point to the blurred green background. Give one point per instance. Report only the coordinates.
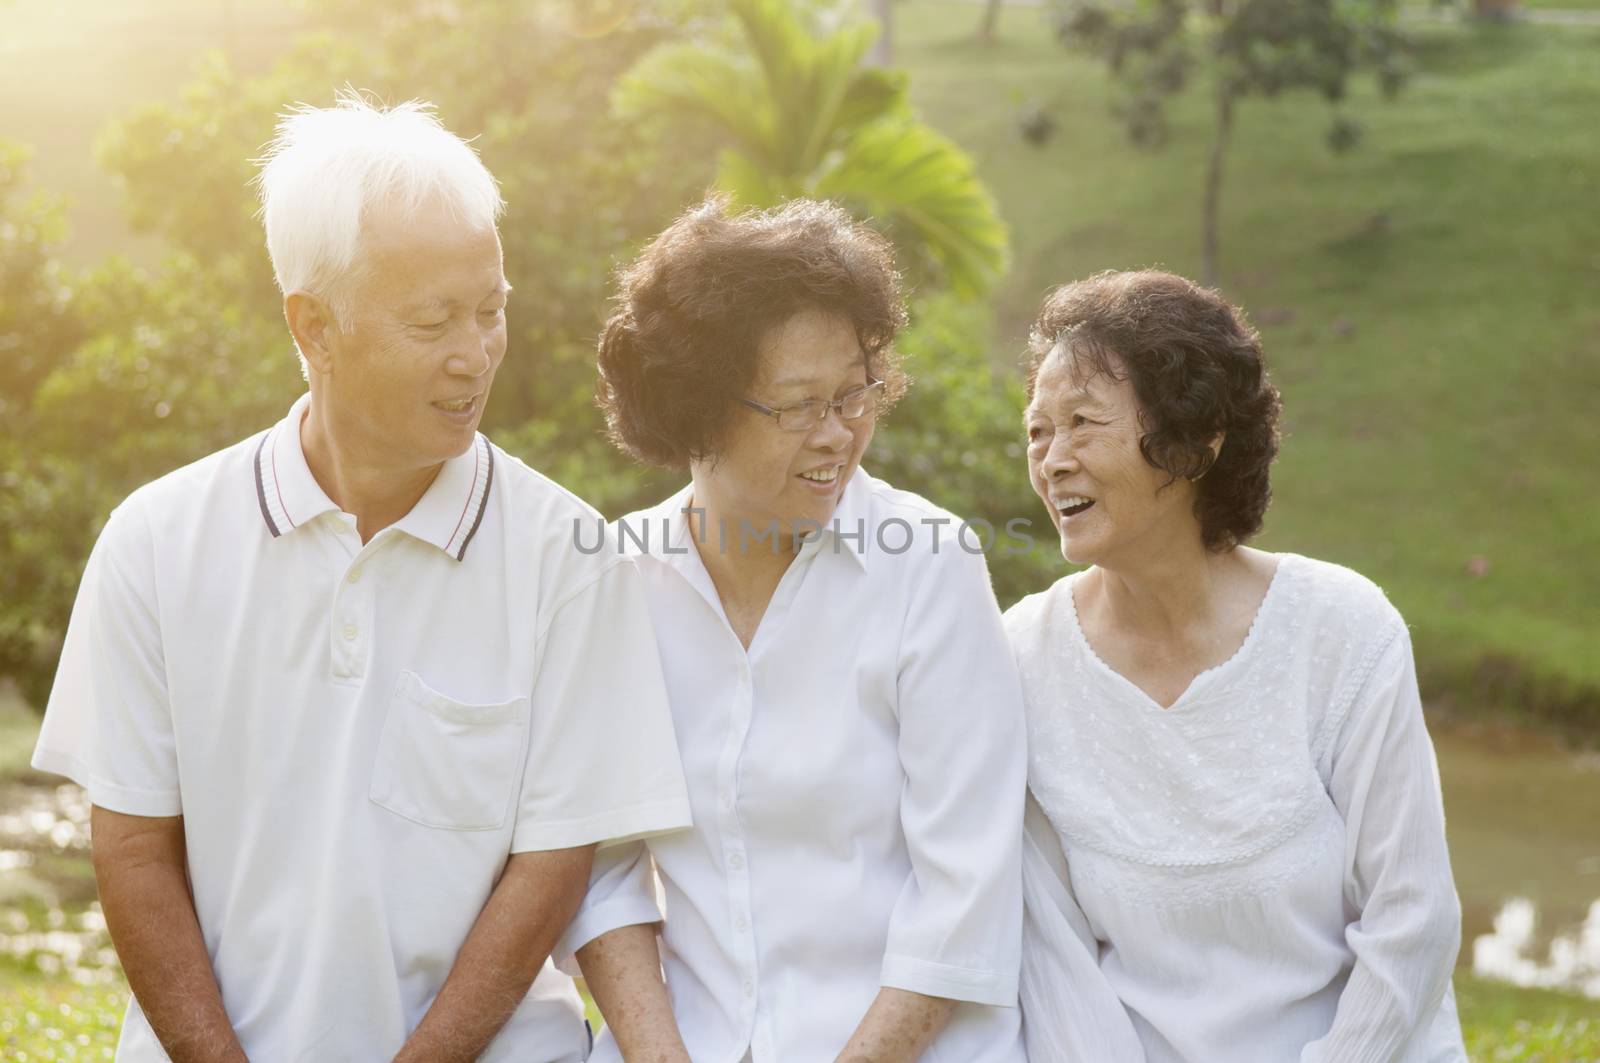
(1408, 207)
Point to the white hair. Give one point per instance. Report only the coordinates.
(329, 168)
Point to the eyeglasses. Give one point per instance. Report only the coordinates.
(804, 416)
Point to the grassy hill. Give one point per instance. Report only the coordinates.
(1428, 305)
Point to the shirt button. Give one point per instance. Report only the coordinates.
(727, 801)
(736, 861)
(354, 576)
(741, 924)
(749, 989)
(349, 632)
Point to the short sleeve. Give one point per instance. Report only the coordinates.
(603, 761)
(108, 723)
(956, 929)
(622, 892)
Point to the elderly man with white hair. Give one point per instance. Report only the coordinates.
(352, 709)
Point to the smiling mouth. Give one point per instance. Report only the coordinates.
(823, 476)
(1071, 507)
(458, 405)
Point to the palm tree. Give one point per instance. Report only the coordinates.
(802, 116)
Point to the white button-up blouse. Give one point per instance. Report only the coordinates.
(856, 781)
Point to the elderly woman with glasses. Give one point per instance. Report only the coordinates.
(845, 700)
(1238, 811)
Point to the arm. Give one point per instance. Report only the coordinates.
(530, 906)
(109, 727)
(1385, 783)
(602, 765)
(898, 1028)
(1069, 1010)
(623, 971)
(139, 865)
(614, 937)
(955, 933)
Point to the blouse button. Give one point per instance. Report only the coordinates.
(736, 861)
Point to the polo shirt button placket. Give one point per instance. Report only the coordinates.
(352, 611)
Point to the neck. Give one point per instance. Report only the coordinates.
(377, 495)
(1169, 589)
(736, 551)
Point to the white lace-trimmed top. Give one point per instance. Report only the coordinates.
(1263, 864)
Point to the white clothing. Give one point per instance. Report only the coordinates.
(1262, 866)
(857, 781)
(357, 737)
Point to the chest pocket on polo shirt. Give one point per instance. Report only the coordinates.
(444, 763)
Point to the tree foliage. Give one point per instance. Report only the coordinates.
(1237, 48)
(801, 115)
(118, 374)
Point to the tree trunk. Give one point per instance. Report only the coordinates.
(882, 53)
(1209, 217)
(991, 17)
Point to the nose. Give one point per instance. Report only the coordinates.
(473, 356)
(1059, 459)
(832, 433)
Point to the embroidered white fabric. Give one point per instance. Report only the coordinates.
(1234, 892)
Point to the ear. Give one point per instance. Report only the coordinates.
(314, 328)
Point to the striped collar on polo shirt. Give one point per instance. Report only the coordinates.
(447, 515)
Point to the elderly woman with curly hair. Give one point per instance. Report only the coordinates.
(1235, 804)
(845, 700)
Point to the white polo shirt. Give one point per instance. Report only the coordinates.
(358, 736)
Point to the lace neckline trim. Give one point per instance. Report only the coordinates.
(1192, 693)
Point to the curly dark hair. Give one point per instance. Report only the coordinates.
(683, 345)
(1197, 369)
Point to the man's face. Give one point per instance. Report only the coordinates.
(425, 333)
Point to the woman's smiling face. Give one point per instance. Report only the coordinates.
(1107, 502)
(763, 474)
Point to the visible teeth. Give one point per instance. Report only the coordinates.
(458, 404)
(1076, 500)
(822, 475)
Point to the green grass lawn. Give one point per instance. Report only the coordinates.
(1427, 301)
(49, 1019)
